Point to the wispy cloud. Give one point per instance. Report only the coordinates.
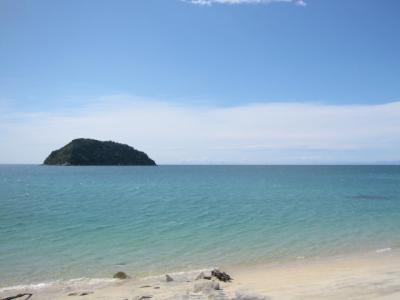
(172, 133)
(211, 2)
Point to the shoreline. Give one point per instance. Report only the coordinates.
(373, 275)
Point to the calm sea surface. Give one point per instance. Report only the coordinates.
(71, 222)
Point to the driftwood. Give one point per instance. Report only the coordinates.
(18, 296)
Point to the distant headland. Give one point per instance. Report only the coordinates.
(90, 152)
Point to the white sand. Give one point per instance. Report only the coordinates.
(369, 276)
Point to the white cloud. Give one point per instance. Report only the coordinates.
(211, 2)
(172, 133)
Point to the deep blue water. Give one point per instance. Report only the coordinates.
(70, 222)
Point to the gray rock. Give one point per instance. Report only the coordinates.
(206, 287)
(120, 275)
(222, 276)
(168, 278)
(200, 276)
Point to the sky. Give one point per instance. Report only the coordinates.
(203, 81)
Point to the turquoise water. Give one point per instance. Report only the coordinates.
(72, 222)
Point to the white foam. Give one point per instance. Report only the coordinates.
(84, 282)
(33, 286)
(182, 275)
(383, 250)
(59, 284)
(87, 281)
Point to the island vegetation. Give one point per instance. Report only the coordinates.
(90, 152)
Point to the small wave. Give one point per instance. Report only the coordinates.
(181, 275)
(383, 250)
(96, 282)
(34, 286)
(59, 284)
(90, 281)
(370, 197)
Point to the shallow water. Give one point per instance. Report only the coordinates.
(59, 223)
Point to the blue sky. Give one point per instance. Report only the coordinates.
(62, 61)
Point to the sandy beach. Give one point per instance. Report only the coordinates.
(369, 276)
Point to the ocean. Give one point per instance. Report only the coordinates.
(63, 223)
